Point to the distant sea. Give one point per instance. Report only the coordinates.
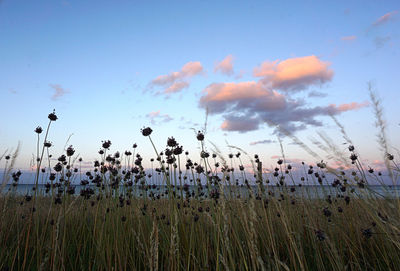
(305, 191)
(314, 190)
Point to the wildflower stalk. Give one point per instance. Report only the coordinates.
(41, 158)
(162, 168)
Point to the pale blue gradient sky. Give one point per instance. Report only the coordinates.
(105, 54)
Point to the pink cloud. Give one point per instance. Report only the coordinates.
(230, 96)
(153, 114)
(192, 69)
(247, 106)
(176, 87)
(349, 106)
(294, 73)
(225, 66)
(348, 38)
(240, 124)
(339, 165)
(156, 117)
(378, 165)
(265, 141)
(166, 79)
(59, 91)
(385, 18)
(178, 80)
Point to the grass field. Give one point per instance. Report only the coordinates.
(107, 227)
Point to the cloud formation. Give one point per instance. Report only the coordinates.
(385, 18)
(59, 91)
(225, 66)
(156, 117)
(381, 41)
(294, 74)
(348, 38)
(176, 87)
(177, 81)
(266, 141)
(240, 124)
(233, 97)
(316, 94)
(295, 116)
(247, 106)
(348, 107)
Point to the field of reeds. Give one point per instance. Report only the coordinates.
(121, 220)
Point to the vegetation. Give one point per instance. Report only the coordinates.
(121, 220)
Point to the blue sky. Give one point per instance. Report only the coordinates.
(97, 64)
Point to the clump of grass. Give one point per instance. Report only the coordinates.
(205, 214)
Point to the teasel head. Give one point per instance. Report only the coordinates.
(171, 142)
(389, 156)
(204, 154)
(146, 131)
(168, 152)
(170, 160)
(70, 151)
(327, 212)
(71, 190)
(38, 130)
(28, 197)
(178, 150)
(200, 136)
(52, 176)
(57, 200)
(199, 169)
(353, 157)
(367, 233)
(53, 116)
(106, 144)
(321, 164)
(47, 144)
(58, 167)
(320, 235)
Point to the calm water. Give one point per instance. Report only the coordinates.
(308, 191)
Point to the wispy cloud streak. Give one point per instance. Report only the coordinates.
(59, 91)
